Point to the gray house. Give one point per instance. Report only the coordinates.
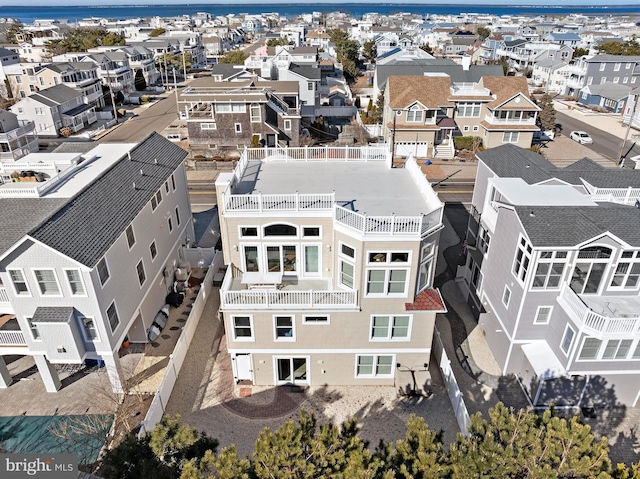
(603, 68)
(610, 96)
(83, 254)
(553, 274)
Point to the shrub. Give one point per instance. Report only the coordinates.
(472, 143)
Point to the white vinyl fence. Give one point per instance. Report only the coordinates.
(161, 398)
(455, 395)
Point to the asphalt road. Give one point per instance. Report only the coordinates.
(155, 118)
(454, 191)
(202, 195)
(604, 143)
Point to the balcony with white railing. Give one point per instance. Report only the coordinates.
(625, 196)
(494, 120)
(26, 128)
(287, 295)
(602, 315)
(575, 83)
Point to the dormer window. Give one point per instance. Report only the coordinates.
(415, 114)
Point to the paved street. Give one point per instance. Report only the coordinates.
(156, 117)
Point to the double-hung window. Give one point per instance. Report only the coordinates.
(347, 256)
(390, 328)
(469, 110)
(284, 328)
(142, 276)
(567, 339)
(374, 365)
(131, 238)
(19, 282)
(103, 271)
(74, 277)
(254, 110)
(47, 282)
(242, 328)
(112, 316)
(415, 115)
(510, 137)
(627, 273)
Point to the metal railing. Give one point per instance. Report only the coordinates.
(597, 322)
(12, 338)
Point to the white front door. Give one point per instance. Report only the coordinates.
(244, 371)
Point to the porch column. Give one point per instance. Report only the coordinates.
(114, 370)
(48, 373)
(5, 375)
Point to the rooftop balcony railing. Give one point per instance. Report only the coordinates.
(596, 323)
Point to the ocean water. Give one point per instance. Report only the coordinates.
(28, 14)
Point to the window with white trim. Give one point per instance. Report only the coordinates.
(76, 285)
(89, 329)
(602, 66)
(47, 282)
(284, 328)
(208, 126)
(636, 353)
(415, 114)
(242, 328)
(476, 275)
(550, 270)
(627, 273)
(159, 196)
(388, 257)
(426, 264)
(142, 276)
(230, 108)
(510, 137)
(469, 110)
(19, 282)
(590, 348)
(522, 259)
(103, 271)
(311, 232)
(484, 240)
(153, 250)
(315, 319)
(616, 79)
(177, 216)
(173, 182)
(250, 259)
(238, 127)
(170, 224)
(543, 315)
(254, 111)
(390, 328)
(617, 349)
(347, 267)
(112, 316)
(280, 230)
(131, 238)
(387, 282)
(281, 258)
(567, 339)
(33, 328)
(616, 67)
(374, 365)
(506, 296)
(248, 232)
(287, 125)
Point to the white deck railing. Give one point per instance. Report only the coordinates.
(509, 121)
(12, 338)
(599, 323)
(4, 297)
(23, 130)
(266, 299)
(280, 202)
(625, 196)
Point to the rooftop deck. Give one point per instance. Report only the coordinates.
(356, 185)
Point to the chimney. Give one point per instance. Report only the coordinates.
(466, 62)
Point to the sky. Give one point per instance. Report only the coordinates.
(322, 2)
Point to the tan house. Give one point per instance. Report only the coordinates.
(331, 258)
(423, 113)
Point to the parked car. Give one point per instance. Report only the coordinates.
(543, 135)
(581, 137)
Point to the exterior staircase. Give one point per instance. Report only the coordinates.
(444, 150)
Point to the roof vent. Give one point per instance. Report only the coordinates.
(129, 155)
(155, 161)
(532, 214)
(141, 172)
(134, 186)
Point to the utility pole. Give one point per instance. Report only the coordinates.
(626, 135)
(184, 64)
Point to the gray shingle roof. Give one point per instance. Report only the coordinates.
(306, 71)
(510, 161)
(86, 227)
(56, 95)
(610, 90)
(565, 226)
(21, 215)
(51, 314)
